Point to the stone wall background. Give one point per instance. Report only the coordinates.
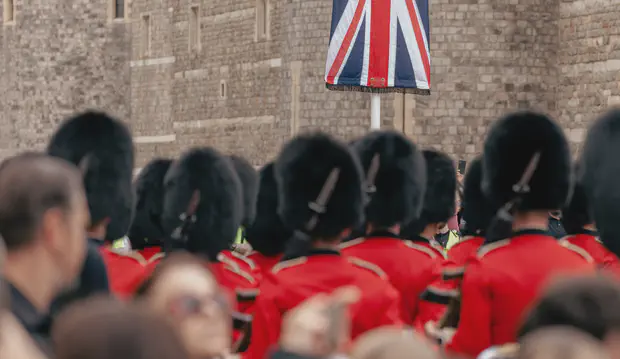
(488, 57)
(59, 57)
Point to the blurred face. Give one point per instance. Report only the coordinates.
(190, 296)
(64, 232)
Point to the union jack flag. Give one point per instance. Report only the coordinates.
(379, 46)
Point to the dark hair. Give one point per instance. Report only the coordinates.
(102, 328)
(588, 303)
(30, 185)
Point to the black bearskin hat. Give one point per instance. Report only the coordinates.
(599, 171)
(103, 148)
(577, 213)
(399, 182)
(267, 234)
(249, 183)
(509, 148)
(302, 170)
(477, 212)
(207, 177)
(146, 228)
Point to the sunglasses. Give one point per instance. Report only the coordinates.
(187, 305)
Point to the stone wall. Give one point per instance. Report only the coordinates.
(247, 94)
(588, 63)
(59, 57)
(488, 57)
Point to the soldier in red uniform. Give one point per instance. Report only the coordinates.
(396, 183)
(146, 234)
(526, 172)
(103, 149)
(439, 203)
(248, 178)
(321, 196)
(202, 211)
(599, 172)
(476, 215)
(267, 235)
(439, 206)
(581, 230)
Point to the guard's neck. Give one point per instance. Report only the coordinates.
(530, 220)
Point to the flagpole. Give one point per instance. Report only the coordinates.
(375, 111)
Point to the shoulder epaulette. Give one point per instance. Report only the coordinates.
(290, 263)
(156, 257)
(582, 252)
(369, 266)
(244, 259)
(431, 253)
(352, 243)
(133, 255)
(438, 248)
(234, 267)
(487, 248)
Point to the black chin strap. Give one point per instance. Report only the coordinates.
(178, 238)
(299, 245)
(501, 226)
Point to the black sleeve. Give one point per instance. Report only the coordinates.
(93, 280)
(94, 277)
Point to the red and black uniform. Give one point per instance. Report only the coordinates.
(503, 281)
(435, 299)
(410, 265)
(322, 271)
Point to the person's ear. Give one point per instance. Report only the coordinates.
(51, 229)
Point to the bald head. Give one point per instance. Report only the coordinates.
(30, 185)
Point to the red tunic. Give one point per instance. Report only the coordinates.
(245, 264)
(463, 249)
(410, 266)
(263, 262)
(125, 271)
(294, 281)
(601, 255)
(503, 281)
(457, 257)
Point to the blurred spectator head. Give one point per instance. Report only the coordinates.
(392, 343)
(560, 343)
(589, 304)
(43, 217)
(101, 328)
(182, 289)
